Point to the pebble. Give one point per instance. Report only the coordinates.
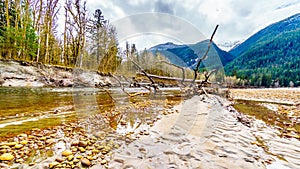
(43, 138)
(66, 153)
(82, 144)
(75, 143)
(49, 141)
(6, 157)
(24, 142)
(70, 157)
(59, 159)
(53, 164)
(11, 144)
(85, 162)
(81, 149)
(103, 162)
(18, 146)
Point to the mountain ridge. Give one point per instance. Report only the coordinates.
(187, 55)
(272, 53)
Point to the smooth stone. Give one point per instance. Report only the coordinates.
(70, 157)
(11, 144)
(43, 138)
(85, 162)
(82, 144)
(76, 160)
(59, 160)
(4, 147)
(31, 137)
(49, 141)
(6, 157)
(75, 143)
(103, 162)
(23, 135)
(31, 164)
(18, 146)
(81, 149)
(19, 161)
(95, 151)
(53, 164)
(24, 142)
(66, 153)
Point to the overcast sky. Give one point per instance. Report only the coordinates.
(238, 19)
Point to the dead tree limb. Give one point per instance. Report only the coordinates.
(145, 73)
(207, 75)
(182, 69)
(121, 85)
(204, 57)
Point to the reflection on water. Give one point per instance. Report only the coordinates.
(22, 109)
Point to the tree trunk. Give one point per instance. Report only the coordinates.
(7, 25)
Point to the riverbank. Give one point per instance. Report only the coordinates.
(23, 74)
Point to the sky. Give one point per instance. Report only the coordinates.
(150, 22)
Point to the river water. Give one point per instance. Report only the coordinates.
(22, 108)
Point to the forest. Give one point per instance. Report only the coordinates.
(30, 32)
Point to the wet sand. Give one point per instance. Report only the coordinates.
(205, 134)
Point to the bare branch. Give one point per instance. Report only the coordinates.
(204, 57)
(183, 71)
(142, 70)
(121, 85)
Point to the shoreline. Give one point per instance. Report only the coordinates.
(23, 74)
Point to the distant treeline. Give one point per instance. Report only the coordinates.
(272, 61)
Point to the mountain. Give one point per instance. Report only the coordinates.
(227, 46)
(187, 55)
(272, 53)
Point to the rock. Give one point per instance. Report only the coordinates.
(23, 135)
(31, 164)
(31, 137)
(70, 157)
(53, 164)
(59, 160)
(24, 142)
(81, 149)
(95, 151)
(66, 153)
(6, 157)
(18, 146)
(75, 143)
(19, 160)
(43, 138)
(85, 162)
(291, 129)
(103, 162)
(11, 144)
(82, 144)
(49, 141)
(4, 147)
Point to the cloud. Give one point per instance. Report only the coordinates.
(164, 7)
(238, 19)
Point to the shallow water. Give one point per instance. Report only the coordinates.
(22, 108)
